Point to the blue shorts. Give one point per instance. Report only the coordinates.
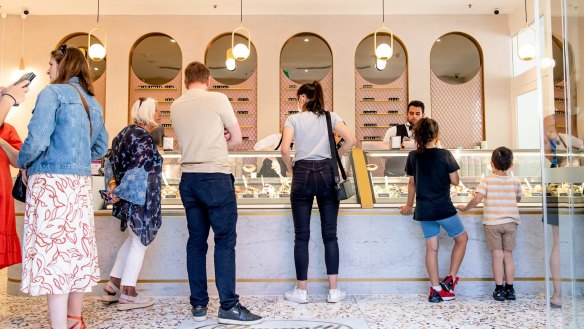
(452, 225)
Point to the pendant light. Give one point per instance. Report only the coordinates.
(240, 51)
(383, 51)
(380, 64)
(21, 65)
(96, 52)
(525, 49)
(230, 60)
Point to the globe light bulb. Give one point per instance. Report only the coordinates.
(526, 52)
(96, 52)
(383, 51)
(240, 52)
(380, 64)
(230, 64)
(547, 63)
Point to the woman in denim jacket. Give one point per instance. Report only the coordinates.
(64, 135)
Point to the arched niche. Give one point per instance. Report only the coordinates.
(381, 94)
(457, 90)
(239, 85)
(155, 71)
(97, 69)
(305, 57)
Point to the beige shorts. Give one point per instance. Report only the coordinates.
(501, 236)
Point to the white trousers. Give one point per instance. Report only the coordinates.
(129, 260)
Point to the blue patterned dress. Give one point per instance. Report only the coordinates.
(136, 166)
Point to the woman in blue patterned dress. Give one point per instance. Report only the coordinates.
(132, 174)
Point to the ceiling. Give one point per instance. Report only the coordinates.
(257, 7)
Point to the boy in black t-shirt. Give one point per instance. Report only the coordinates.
(431, 172)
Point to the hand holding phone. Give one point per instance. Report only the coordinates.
(27, 76)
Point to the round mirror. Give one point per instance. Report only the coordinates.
(305, 58)
(156, 59)
(455, 58)
(79, 40)
(366, 62)
(558, 55)
(226, 70)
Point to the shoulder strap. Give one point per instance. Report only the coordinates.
(334, 154)
(85, 106)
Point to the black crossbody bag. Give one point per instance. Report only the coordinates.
(345, 189)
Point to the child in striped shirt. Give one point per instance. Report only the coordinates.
(501, 193)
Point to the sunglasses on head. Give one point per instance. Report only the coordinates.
(63, 49)
(141, 99)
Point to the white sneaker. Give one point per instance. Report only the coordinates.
(335, 295)
(297, 295)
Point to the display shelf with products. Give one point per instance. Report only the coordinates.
(261, 180)
(379, 106)
(386, 171)
(163, 94)
(243, 99)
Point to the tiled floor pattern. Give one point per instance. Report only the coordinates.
(356, 312)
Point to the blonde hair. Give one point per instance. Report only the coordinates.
(143, 111)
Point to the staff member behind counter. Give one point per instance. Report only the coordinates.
(395, 166)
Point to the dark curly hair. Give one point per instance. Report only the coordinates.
(314, 96)
(502, 158)
(425, 131)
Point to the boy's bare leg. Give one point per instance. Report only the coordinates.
(509, 267)
(498, 270)
(432, 260)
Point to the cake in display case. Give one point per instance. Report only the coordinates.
(389, 183)
(261, 180)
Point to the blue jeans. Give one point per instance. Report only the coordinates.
(209, 201)
(314, 178)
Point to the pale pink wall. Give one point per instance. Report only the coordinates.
(269, 33)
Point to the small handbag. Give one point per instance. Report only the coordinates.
(19, 189)
(345, 189)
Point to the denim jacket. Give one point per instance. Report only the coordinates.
(58, 133)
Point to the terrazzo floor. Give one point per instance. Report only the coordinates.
(356, 312)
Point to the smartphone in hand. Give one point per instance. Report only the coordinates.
(27, 76)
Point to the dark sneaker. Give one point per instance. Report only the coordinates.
(199, 313)
(510, 294)
(238, 315)
(440, 296)
(449, 283)
(499, 295)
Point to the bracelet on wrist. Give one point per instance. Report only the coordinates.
(14, 99)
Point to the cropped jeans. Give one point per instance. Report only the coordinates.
(314, 178)
(209, 201)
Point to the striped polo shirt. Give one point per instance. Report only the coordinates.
(500, 202)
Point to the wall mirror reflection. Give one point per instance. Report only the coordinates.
(455, 58)
(366, 62)
(305, 58)
(223, 67)
(156, 59)
(79, 40)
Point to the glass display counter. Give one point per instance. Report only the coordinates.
(389, 184)
(261, 180)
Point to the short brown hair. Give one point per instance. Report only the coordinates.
(502, 158)
(72, 63)
(196, 72)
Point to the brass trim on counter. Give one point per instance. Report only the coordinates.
(362, 179)
(241, 280)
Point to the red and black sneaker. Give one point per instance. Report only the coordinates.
(440, 296)
(449, 283)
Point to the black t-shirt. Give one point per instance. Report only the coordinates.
(431, 169)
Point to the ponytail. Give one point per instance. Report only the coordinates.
(314, 96)
(425, 131)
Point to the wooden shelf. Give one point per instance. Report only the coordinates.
(375, 114)
(244, 114)
(151, 89)
(240, 101)
(164, 101)
(371, 140)
(246, 127)
(222, 89)
(380, 88)
(380, 101)
(375, 127)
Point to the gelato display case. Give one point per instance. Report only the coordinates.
(261, 180)
(389, 183)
